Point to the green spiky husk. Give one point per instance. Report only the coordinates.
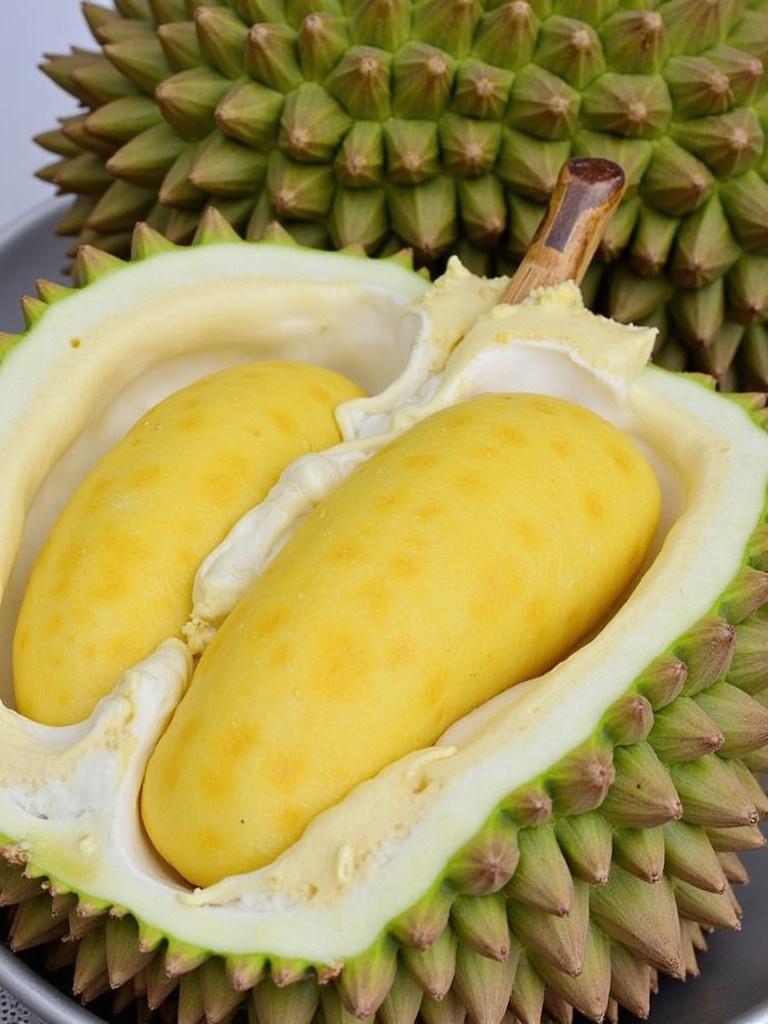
(442, 125)
(582, 886)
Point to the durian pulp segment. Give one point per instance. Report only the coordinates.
(114, 579)
(474, 552)
(380, 850)
(100, 360)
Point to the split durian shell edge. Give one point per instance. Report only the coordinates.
(586, 878)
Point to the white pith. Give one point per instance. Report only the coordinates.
(376, 853)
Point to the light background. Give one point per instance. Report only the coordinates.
(30, 102)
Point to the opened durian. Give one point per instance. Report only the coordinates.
(394, 831)
(442, 124)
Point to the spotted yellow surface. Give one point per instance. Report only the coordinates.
(472, 553)
(115, 577)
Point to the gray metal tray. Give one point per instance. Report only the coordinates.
(733, 988)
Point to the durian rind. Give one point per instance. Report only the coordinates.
(519, 849)
(444, 125)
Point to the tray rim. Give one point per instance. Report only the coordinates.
(14, 229)
(35, 993)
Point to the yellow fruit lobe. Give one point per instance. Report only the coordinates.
(115, 577)
(474, 552)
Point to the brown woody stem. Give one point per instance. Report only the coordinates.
(587, 193)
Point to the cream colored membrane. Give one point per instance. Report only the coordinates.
(99, 360)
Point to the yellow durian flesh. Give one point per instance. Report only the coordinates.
(474, 552)
(115, 577)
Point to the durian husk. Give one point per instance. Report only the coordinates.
(442, 126)
(581, 888)
(573, 898)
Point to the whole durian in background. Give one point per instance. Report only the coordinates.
(442, 124)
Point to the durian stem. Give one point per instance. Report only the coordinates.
(585, 197)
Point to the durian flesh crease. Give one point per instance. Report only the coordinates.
(376, 853)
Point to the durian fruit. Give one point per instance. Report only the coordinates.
(442, 124)
(556, 848)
